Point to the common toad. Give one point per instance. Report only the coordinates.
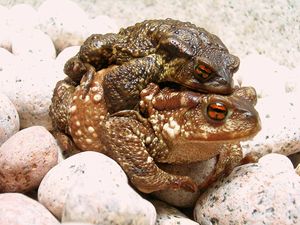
(154, 51)
(172, 126)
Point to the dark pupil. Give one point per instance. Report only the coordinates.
(203, 71)
(217, 111)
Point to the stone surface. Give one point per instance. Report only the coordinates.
(22, 17)
(5, 28)
(89, 165)
(25, 158)
(167, 215)
(262, 73)
(9, 119)
(280, 122)
(64, 21)
(33, 43)
(105, 202)
(18, 209)
(266, 192)
(30, 86)
(197, 171)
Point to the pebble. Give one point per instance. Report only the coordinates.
(101, 25)
(33, 43)
(5, 28)
(167, 215)
(23, 17)
(280, 122)
(105, 202)
(197, 171)
(89, 165)
(25, 158)
(9, 119)
(265, 75)
(266, 192)
(18, 209)
(64, 21)
(30, 86)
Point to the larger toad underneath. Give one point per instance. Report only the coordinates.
(175, 127)
(154, 51)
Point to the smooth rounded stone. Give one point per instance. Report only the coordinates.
(89, 165)
(9, 119)
(101, 25)
(18, 209)
(197, 171)
(260, 72)
(266, 192)
(22, 17)
(280, 122)
(5, 28)
(33, 43)
(30, 87)
(105, 202)
(167, 215)
(25, 158)
(64, 21)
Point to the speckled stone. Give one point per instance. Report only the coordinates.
(30, 86)
(33, 43)
(9, 119)
(23, 17)
(25, 158)
(18, 209)
(5, 28)
(280, 131)
(197, 171)
(259, 78)
(266, 192)
(105, 202)
(167, 215)
(88, 165)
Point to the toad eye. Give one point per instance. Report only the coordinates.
(203, 72)
(217, 111)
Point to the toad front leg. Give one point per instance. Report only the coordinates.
(126, 140)
(230, 156)
(123, 84)
(94, 54)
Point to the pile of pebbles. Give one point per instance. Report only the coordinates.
(89, 187)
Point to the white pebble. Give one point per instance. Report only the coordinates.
(23, 17)
(266, 192)
(101, 201)
(25, 158)
(29, 85)
(266, 76)
(102, 25)
(280, 124)
(197, 171)
(5, 34)
(33, 43)
(18, 209)
(167, 215)
(89, 165)
(64, 21)
(9, 119)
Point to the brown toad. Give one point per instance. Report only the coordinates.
(175, 127)
(154, 51)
